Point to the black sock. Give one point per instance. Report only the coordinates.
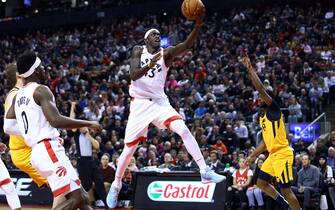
(281, 200)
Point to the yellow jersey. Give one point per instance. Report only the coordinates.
(273, 129)
(15, 142)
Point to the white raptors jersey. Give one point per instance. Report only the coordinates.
(32, 123)
(151, 85)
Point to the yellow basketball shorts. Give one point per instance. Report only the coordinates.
(279, 165)
(21, 159)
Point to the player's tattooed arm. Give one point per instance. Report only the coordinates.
(136, 71)
(171, 52)
(44, 97)
(256, 81)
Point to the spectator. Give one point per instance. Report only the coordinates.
(330, 81)
(331, 157)
(200, 111)
(312, 155)
(315, 95)
(241, 180)
(295, 113)
(219, 146)
(242, 133)
(215, 163)
(107, 172)
(253, 191)
(230, 137)
(308, 181)
(132, 165)
(299, 147)
(167, 162)
(328, 179)
(331, 140)
(187, 163)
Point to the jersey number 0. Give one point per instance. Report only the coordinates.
(25, 122)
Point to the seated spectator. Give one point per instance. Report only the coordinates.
(253, 191)
(312, 155)
(187, 162)
(294, 109)
(308, 181)
(328, 176)
(215, 163)
(242, 133)
(107, 172)
(132, 165)
(331, 140)
(331, 157)
(241, 180)
(167, 161)
(315, 95)
(200, 111)
(220, 146)
(299, 147)
(113, 163)
(230, 137)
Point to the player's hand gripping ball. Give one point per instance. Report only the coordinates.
(193, 9)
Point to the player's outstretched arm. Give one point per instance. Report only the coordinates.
(136, 71)
(259, 150)
(256, 81)
(174, 51)
(44, 97)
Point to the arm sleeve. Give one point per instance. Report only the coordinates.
(11, 127)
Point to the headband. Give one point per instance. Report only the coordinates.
(32, 68)
(148, 32)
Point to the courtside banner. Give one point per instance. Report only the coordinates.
(181, 191)
(177, 191)
(27, 190)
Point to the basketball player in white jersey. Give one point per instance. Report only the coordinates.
(6, 185)
(149, 67)
(37, 118)
(20, 152)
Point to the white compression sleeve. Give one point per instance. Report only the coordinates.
(179, 127)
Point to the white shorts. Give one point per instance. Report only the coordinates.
(49, 159)
(4, 175)
(146, 111)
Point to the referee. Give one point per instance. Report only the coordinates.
(87, 167)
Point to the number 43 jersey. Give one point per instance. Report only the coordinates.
(30, 118)
(150, 85)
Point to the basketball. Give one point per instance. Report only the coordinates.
(192, 9)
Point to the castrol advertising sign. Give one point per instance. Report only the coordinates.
(181, 191)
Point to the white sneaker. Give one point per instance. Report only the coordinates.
(211, 177)
(99, 203)
(112, 197)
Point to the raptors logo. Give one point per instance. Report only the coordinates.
(61, 171)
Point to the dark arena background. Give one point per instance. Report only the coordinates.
(86, 47)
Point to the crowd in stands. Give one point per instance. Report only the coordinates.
(292, 52)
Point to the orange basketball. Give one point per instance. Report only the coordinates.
(192, 9)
